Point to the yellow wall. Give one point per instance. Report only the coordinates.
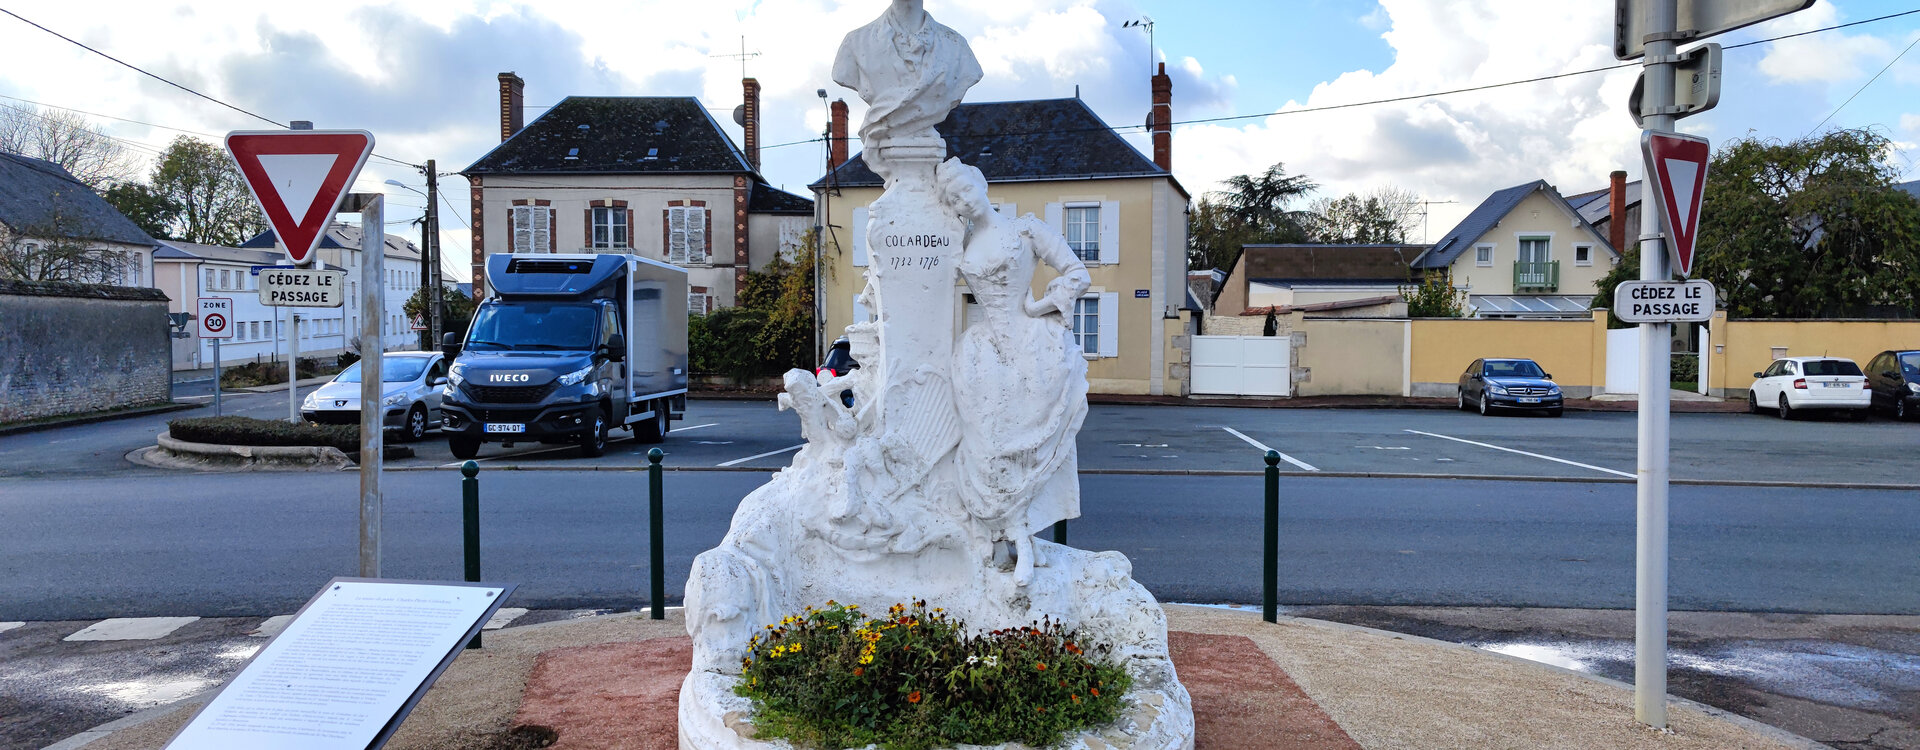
(1537, 216)
(1141, 201)
(1744, 347)
(1352, 357)
(1442, 349)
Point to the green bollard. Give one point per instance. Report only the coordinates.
(657, 591)
(1270, 594)
(470, 525)
(1060, 531)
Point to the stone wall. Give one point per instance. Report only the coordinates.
(78, 348)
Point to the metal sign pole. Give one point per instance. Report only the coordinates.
(293, 365)
(216, 377)
(373, 245)
(1650, 560)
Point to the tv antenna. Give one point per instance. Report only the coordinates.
(743, 57)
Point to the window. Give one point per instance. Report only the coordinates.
(687, 235)
(610, 229)
(1083, 231)
(532, 229)
(1086, 324)
(210, 277)
(1483, 255)
(1534, 249)
(699, 303)
(1583, 255)
(226, 281)
(256, 330)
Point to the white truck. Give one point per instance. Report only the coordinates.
(567, 348)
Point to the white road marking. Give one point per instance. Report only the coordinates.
(1385, 447)
(1143, 445)
(131, 629)
(272, 626)
(503, 616)
(1263, 449)
(739, 461)
(694, 427)
(713, 442)
(6, 626)
(1524, 453)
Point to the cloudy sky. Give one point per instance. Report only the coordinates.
(421, 74)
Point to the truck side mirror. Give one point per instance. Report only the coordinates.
(450, 345)
(615, 349)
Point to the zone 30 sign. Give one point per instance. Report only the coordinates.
(1664, 301)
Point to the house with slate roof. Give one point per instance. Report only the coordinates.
(340, 248)
(40, 203)
(654, 176)
(187, 271)
(1124, 214)
(1525, 252)
(1340, 280)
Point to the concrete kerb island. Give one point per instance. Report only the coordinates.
(169, 453)
(578, 682)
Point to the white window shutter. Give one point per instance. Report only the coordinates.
(677, 235)
(1110, 324)
(1109, 233)
(697, 235)
(542, 234)
(522, 229)
(859, 243)
(1056, 218)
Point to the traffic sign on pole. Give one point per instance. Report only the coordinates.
(1665, 301)
(1693, 19)
(1696, 85)
(216, 317)
(299, 178)
(1677, 170)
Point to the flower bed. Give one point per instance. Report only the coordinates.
(915, 679)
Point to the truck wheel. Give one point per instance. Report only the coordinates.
(593, 443)
(463, 447)
(655, 429)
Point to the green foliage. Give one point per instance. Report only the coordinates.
(459, 309)
(769, 330)
(1627, 270)
(1433, 296)
(250, 374)
(148, 209)
(214, 205)
(1810, 228)
(913, 680)
(263, 432)
(1251, 210)
(1685, 369)
(1385, 216)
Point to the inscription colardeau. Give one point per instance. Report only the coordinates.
(918, 240)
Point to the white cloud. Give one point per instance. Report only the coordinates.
(1911, 124)
(1831, 57)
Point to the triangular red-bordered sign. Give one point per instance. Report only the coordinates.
(299, 178)
(1677, 171)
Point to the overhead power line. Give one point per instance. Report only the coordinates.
(157, 77)
(1863, 87)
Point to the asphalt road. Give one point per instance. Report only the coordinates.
(259, 544)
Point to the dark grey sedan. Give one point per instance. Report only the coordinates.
(1490, 384)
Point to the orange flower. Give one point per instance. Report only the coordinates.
(913, 697)
(858, 671)
(1040, 666)
(1095, 691)
(1041, 709)
(1076, 699)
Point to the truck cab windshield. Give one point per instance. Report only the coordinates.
(534, 326)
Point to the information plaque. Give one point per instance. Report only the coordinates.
(347, 670)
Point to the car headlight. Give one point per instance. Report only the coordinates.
(1496, 389)
(312, 400)
(574, 378)
(1915, 387)
(1553, 390)
(394, 400)
(455, 375)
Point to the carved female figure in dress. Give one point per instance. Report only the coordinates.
(1020, 380)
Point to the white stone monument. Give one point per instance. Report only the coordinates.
(959, 446)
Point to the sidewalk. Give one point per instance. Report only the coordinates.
(614, 681)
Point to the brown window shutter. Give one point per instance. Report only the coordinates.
(630, 227)
(553, 233)
(588, 224)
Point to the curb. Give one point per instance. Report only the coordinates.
(98, 417)
(245, 457)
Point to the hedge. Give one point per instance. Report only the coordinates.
(263, 432)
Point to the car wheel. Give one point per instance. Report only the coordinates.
(655, 428)
(1753, 403)
(1786, 409)
(593, 444)
(463, 447)
(416, 427)
(1460, 399)
(1900, 410)
(1485, 410)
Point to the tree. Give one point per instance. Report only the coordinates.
(1251, 210)
(1385, 216)
(770, 328)
(68, 139)
(54, 251)
(1433, 296)
(147, 209)
(1810, 228)
(215, 207)
(458, 312)
(1627, 270)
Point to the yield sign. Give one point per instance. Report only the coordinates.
(299, 178)
(1677, 169)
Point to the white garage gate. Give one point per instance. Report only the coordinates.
(1243, 365)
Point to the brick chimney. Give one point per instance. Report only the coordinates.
(1617, 212)
(1163, 119)
(752, 121)
(837, 136)
(513, 100)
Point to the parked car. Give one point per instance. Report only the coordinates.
(1491, 384)
(839, 362)
(1798, 384)
(1893, 379)
(411, 387)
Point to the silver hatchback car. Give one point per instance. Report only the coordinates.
(410, 394)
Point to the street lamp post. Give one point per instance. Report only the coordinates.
(429, 253)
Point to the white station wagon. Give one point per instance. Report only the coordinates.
(1795, 384)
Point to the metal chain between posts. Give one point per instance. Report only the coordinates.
(1270, 573)
(657, 586)
(470, 526)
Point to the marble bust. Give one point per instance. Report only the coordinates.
(911, 71)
